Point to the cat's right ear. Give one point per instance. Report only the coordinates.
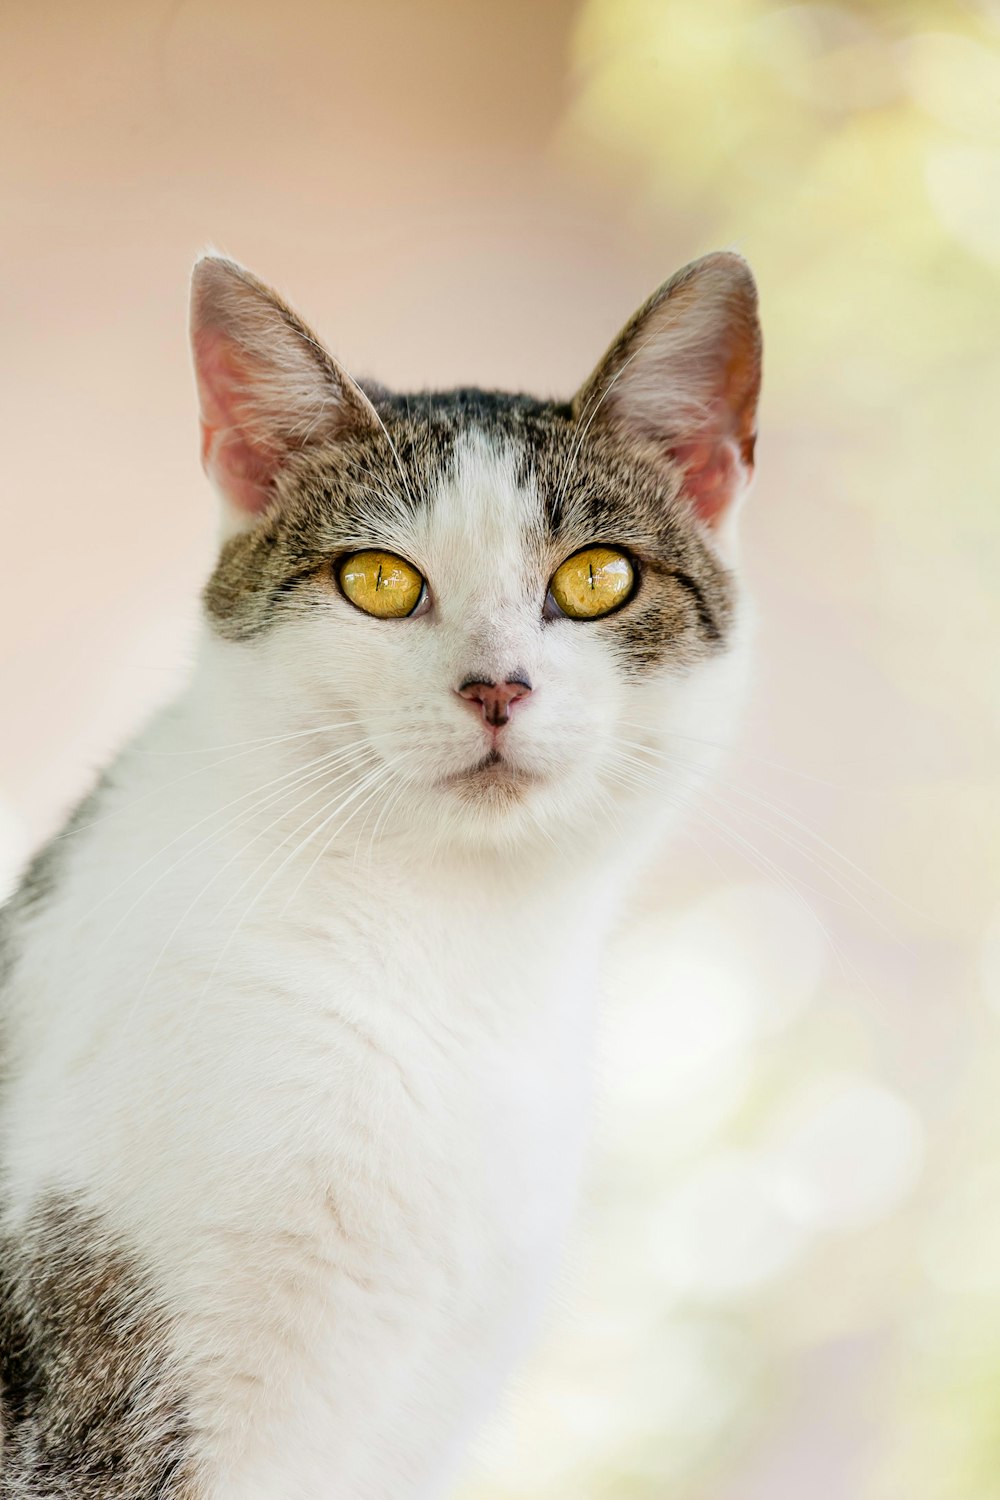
(266, 387)
(683, 378)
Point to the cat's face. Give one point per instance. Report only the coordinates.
(517, 614)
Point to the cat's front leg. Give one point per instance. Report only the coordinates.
(92, 1404)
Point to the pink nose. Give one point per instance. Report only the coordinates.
(495, 698)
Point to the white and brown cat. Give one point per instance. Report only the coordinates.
(297, 1012)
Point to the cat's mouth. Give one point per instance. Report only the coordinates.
(493, 774)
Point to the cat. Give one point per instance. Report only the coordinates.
(298, 1010)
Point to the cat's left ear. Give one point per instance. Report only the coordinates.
(266, 387)
(683, 378)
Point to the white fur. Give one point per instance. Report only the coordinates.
(339, 1111)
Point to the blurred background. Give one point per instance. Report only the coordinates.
(786, 1277)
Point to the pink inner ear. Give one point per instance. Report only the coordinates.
(714, 475)
(718, 460)
(240, 462)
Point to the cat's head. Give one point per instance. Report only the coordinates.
(504, 614)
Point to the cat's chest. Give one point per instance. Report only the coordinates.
(433, 1070)
(405, 1214)
(377, 1088)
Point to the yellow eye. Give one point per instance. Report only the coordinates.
(592, 583)
(381, 584)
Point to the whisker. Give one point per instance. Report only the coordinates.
(351, 768)
(742, 752)
(831, 851)
(382, 816)
(325, 846)
(761, 861)
(578, 445)
(196, 900)
(269, 739)
(290, 781)
(395, 454)
(199, 771)
(365, 782)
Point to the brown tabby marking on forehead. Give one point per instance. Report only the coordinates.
(592, 485)
(90, 1410)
